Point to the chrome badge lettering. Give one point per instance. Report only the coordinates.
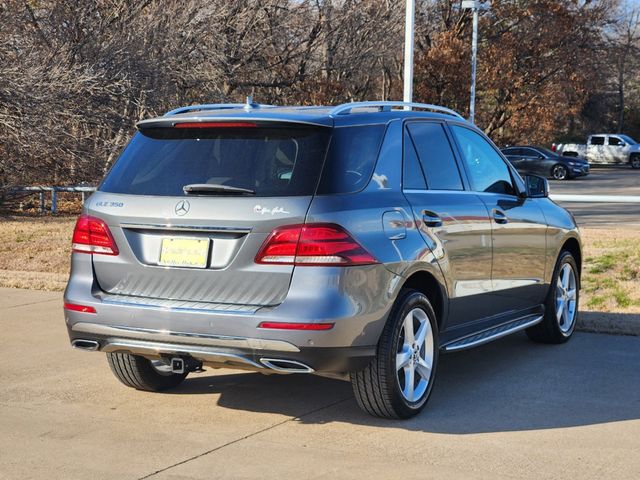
(269, 211)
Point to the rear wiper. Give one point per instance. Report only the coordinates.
(214, 188)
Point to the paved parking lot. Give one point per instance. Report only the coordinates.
(603, 181)
(506, 410)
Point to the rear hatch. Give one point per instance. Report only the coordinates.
(190, 204)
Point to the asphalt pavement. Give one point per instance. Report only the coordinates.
(511, 409)
(602, 181)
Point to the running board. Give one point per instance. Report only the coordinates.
(494, 333)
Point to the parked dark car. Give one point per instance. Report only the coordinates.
(530, 160)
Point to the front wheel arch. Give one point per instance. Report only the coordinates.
(572, 245)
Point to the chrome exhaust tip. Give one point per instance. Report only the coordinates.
(88, 345)
(286, 366)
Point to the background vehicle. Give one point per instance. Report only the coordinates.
(356, 241)
(530, 160)
(605, 149)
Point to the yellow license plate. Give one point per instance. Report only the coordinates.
(184, 252)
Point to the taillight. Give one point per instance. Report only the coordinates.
(215, 125)
(92, 235)
(295, 326)
(79, 308)
(319, 244)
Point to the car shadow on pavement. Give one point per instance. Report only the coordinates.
(510, 385)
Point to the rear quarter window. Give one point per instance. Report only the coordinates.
(351, 158)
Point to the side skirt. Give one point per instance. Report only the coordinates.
(493, 333)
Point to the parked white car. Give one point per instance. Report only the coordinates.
(605, 149)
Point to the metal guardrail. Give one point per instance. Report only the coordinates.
(42, 190)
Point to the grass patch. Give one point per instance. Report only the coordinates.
(611, 270)
(35, 252)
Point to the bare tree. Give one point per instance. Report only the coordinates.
(624, 53)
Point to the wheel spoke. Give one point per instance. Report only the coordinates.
(409, 337)
(565, 277)
(422, 332)
(403, 357)
(424, 368)
(560, 309)
(571, 294)
(409, 380)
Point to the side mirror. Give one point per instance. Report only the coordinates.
(537, 187)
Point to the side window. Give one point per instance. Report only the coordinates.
(351, 158)
(512, 151)
(487, 171)
(412, 176)
(527, 152)
(597, 140)
(435, 156)
(615, 141)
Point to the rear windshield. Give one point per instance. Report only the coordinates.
(272, 161)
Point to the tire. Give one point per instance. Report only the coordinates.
(140, 373)
(635, 162)
(381, 389)
(559, 172)
(556, 328)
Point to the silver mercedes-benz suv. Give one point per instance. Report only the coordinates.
(355, 241)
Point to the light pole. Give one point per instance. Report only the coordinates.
(409, 25)
(476, 6)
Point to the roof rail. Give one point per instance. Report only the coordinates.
(206, 106)
(387, 106)
(249, 105)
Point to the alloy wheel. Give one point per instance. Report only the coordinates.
(415, 354)
(566, 296)
(559, 172)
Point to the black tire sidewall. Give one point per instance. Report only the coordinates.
(410, 300)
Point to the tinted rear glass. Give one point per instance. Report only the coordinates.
(436, 157)
(351, 158)
(273, 161)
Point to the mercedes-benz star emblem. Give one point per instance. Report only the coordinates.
(182, 207)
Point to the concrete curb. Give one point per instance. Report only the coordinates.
(611, 323)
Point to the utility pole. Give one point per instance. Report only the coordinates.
(475, 6)
(409, 27)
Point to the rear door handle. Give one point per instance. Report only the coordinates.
(499, 217)
(431, 219)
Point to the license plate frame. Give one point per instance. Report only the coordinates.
(185, 252)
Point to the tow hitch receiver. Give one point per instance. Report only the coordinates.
(177, 365)
(185, 365)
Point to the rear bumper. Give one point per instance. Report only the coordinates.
(356, 300)
(220, 351)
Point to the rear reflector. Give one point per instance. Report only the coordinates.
(296, 326)
(215, 125)
(79, 308)
(92, 235)
(320, 244)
